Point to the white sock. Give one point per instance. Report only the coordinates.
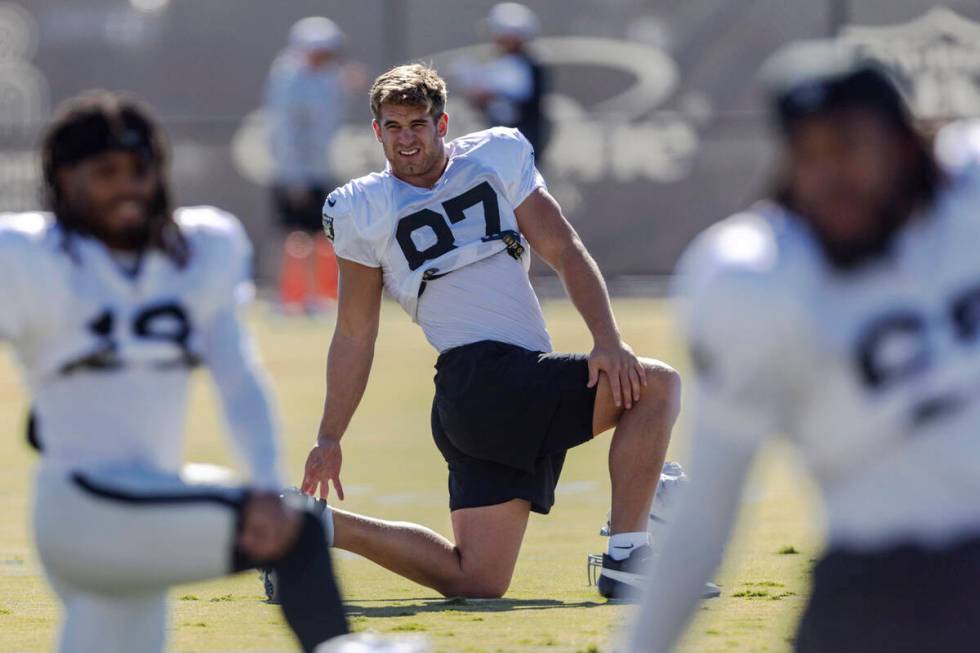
(621, 545)
(327, 519)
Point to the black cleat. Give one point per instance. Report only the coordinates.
(624, 579)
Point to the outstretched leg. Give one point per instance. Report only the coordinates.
(480, 563)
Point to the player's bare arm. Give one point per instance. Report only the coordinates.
(348, 367)
(554, 239)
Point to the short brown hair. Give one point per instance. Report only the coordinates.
(415, 85)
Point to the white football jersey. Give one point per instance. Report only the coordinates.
(107, 354)
(417, 235)
(874, 373)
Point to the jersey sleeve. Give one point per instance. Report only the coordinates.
(242, 256)
(15, 291)
(957, 147)
(246, 400)
(227, 349)
(737, 332)
(340, 224)
(233, 256)
(220, 239)
(517, 166)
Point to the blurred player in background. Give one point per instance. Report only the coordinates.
(844, 312)
(305, 103)
(444, 229)
(109, 301)
(510, 88)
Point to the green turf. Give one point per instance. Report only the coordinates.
(392, 470)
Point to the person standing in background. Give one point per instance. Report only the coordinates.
(509, 88)
(305, 102)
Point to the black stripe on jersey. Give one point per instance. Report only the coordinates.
(155, 498)
(430, 275)
(239, 561)
(33, 439)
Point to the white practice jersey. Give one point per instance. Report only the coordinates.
(875, 373)
(419, 235)
(107, 353)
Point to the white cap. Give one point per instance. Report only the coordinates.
(512, 19)
(316, 33)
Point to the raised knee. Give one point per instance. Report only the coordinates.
(664, 383)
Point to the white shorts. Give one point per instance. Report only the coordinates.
(113, 540)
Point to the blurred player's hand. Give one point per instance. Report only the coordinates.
(323, 467)
(269, 528)
(625, 372)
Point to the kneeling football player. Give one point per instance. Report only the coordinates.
(446, 229)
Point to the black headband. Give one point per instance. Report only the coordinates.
(866, 88)
(816, 77)
(95, 135)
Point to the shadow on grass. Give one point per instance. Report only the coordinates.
(411, 607)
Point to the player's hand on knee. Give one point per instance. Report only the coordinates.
(269, 528)
(625, 372)
(322, 468)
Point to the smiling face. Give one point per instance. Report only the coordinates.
(413, 141)
(113, 194)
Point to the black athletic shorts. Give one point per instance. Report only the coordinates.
(904, 600)
(309, 218)
(503, 418)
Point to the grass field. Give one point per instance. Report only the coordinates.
(392, 470)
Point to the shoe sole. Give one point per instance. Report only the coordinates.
(625, 577)
(637, 582)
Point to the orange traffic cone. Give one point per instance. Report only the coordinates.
(326, 270)
(294, 275)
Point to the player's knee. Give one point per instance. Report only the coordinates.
(477, 586)
(664, 386)
(485, 588)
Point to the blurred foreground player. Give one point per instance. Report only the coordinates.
(844, 312)
(109, 301)
(444, 229)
